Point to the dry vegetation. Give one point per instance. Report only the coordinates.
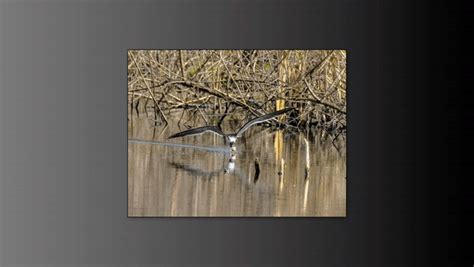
(222, 83)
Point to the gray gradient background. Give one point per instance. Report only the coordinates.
(63, 148)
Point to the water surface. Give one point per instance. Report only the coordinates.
(195, 176)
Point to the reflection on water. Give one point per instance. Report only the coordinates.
(197, 176)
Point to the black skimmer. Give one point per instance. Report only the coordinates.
(230, 138)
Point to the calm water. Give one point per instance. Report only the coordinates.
(194, 176)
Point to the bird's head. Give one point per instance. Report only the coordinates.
(232, 139)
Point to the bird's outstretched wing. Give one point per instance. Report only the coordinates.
(261, 119)
(197, 131)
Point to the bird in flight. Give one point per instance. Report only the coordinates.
(230, 138)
